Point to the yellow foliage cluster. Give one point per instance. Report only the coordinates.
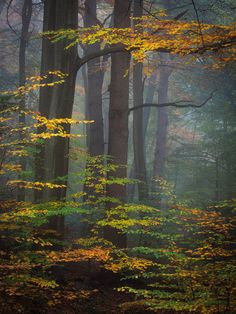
(35, 185)
(151, 34)
(52, 78)
(77, 255)
(6, 167)
(19, 140)
(129, 263)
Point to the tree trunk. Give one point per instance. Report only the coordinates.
(95, 74)
(57, 102)
(118, 116)
(26, 18)
(162, 127)
(162, 118)
(151, 88)
(138, 135)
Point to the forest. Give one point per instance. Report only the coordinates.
(117, 156)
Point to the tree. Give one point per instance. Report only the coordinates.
(162, 124)
(24, 38)
(138, 133)
(57, 102)
(162, 36)
(118, 115)
(95, 75)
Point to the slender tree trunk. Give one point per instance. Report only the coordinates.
(162, 119)
(118, 116)
(26, 18)
(94, 110)
(138, 134)
(95, 136)
(151, 88)
(57, 102)
(162, 127)
(93, 76)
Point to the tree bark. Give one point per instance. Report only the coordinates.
(151, 88)
(162, 127)
(138, 135)
(24, 37)
(95, 74)
(57, 102)
(118, 116)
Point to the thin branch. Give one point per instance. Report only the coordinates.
(176, 104)
(198, 20)
(107, 18)
(8, 22)
(107, 50)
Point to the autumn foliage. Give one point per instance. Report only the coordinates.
(178, 259)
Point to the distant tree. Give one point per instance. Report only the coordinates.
(138, 134)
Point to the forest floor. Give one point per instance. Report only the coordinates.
(99, 295)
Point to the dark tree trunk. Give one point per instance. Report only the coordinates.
(95, 74)
(26, 18)
(57, 102)
(138, 135)
(118, 116)
(93, 77)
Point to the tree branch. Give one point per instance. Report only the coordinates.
(107, 50)
(198, 20)
(176, 104)
(8, 22)
(121, 48)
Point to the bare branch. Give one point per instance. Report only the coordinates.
(177, 104)
(8, 22)
(198, 20)
(107, 50)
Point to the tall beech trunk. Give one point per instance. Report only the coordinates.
(162, 117)
(24, 37)
(162, 125)
(57, 102)
(138, 136)
(118, 116)
(95, 75)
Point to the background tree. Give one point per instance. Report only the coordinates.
(138, 133)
